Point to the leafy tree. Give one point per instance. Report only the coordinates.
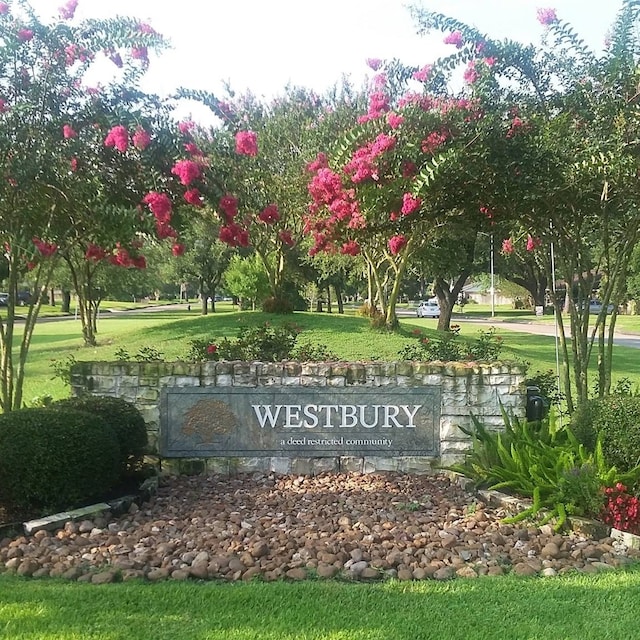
(44, 100)
(246, 279)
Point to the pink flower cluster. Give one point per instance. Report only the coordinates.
(410, 204)
(270, 214)
(471, 74)
(24, 35)
(517, 127)
(94, 253)
(286, 237)
(122, 258)
(68, 132)
(350, 248)
(374, 63)
(362, 165)
(547, 16)
(117, 137)
(228, 207)
(533, 243)
(247, 143)
(508, 246)
(3, 106)
(4, 8)
(46, 249)
(456, 38)
(621, 510)
(178, 249)
(68, 10)
(187, 171)
(434, 141)
(140, 53)
(321, 162)
(422, 74)
(397, 244)
(194, 197)
(141, 139)
(160, 206)
(378, 105)
(234, 235)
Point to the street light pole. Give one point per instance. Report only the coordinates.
(493, 282)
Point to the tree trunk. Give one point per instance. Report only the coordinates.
(66, 301)
(339, 300)
(52, 297)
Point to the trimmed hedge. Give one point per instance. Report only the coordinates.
(617, 419)
(124, 418)
(56, 458)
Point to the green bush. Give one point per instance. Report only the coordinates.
(124, 418)
(56, 458)
(538, 461)
(277, 305)
(616, 420)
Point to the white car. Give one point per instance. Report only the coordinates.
(428, 309)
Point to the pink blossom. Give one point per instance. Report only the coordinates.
(95, 253)
(194, 197)
(140, 53)
(286, 238)
(270, 214)
(325, 186)
(247, 143)
(160, 205)
(46, 249)
(507, 246)
(177, 249)
(410, 204)
(470, 73)
(422, 74)
(73, 164)
(187, 171)
(3, 106)
(350, 248)
(164, 230)
(433, 141)
(229, 207)
(321, 162)
(396, 244)
(234, 235)
(378, 102)
(24, 35)
(394, 120)
(139, 263)
(68, 132)
(193, 149)
(517, 126)
(118, 137)
(380, 81)
(68, 10)
(489, 61)
(374, 63)
(547, 16)
(141, 139)
(185, 126)
(455, 38)
(486, 211)
(533, 243)
(211, 349)
(4, 8)
(145, 28)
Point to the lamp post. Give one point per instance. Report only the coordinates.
(493, 281)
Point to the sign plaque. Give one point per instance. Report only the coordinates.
(299, 421)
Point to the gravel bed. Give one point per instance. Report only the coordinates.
(347, 526)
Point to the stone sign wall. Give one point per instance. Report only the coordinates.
(307, 417)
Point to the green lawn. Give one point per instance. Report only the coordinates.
(169, 331)
(569, 607)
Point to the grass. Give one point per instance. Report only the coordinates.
(569, 607)
(350, 337)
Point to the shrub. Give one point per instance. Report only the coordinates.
(616, 420)
(265, 342)
(308, 352)
(449, 348)
(55, 458)
(278, 305)
(124, 418)
(538, 461)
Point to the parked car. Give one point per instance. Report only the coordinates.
(595, 306)
(23, 299)
(428, 309)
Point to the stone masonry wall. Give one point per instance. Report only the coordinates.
(466, 388)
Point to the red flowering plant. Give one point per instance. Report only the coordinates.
(621, 509)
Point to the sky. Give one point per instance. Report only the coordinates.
(262, 45)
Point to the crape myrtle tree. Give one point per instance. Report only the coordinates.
(266, 194)
(397, 179)
(574, 185)
(44, 95)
